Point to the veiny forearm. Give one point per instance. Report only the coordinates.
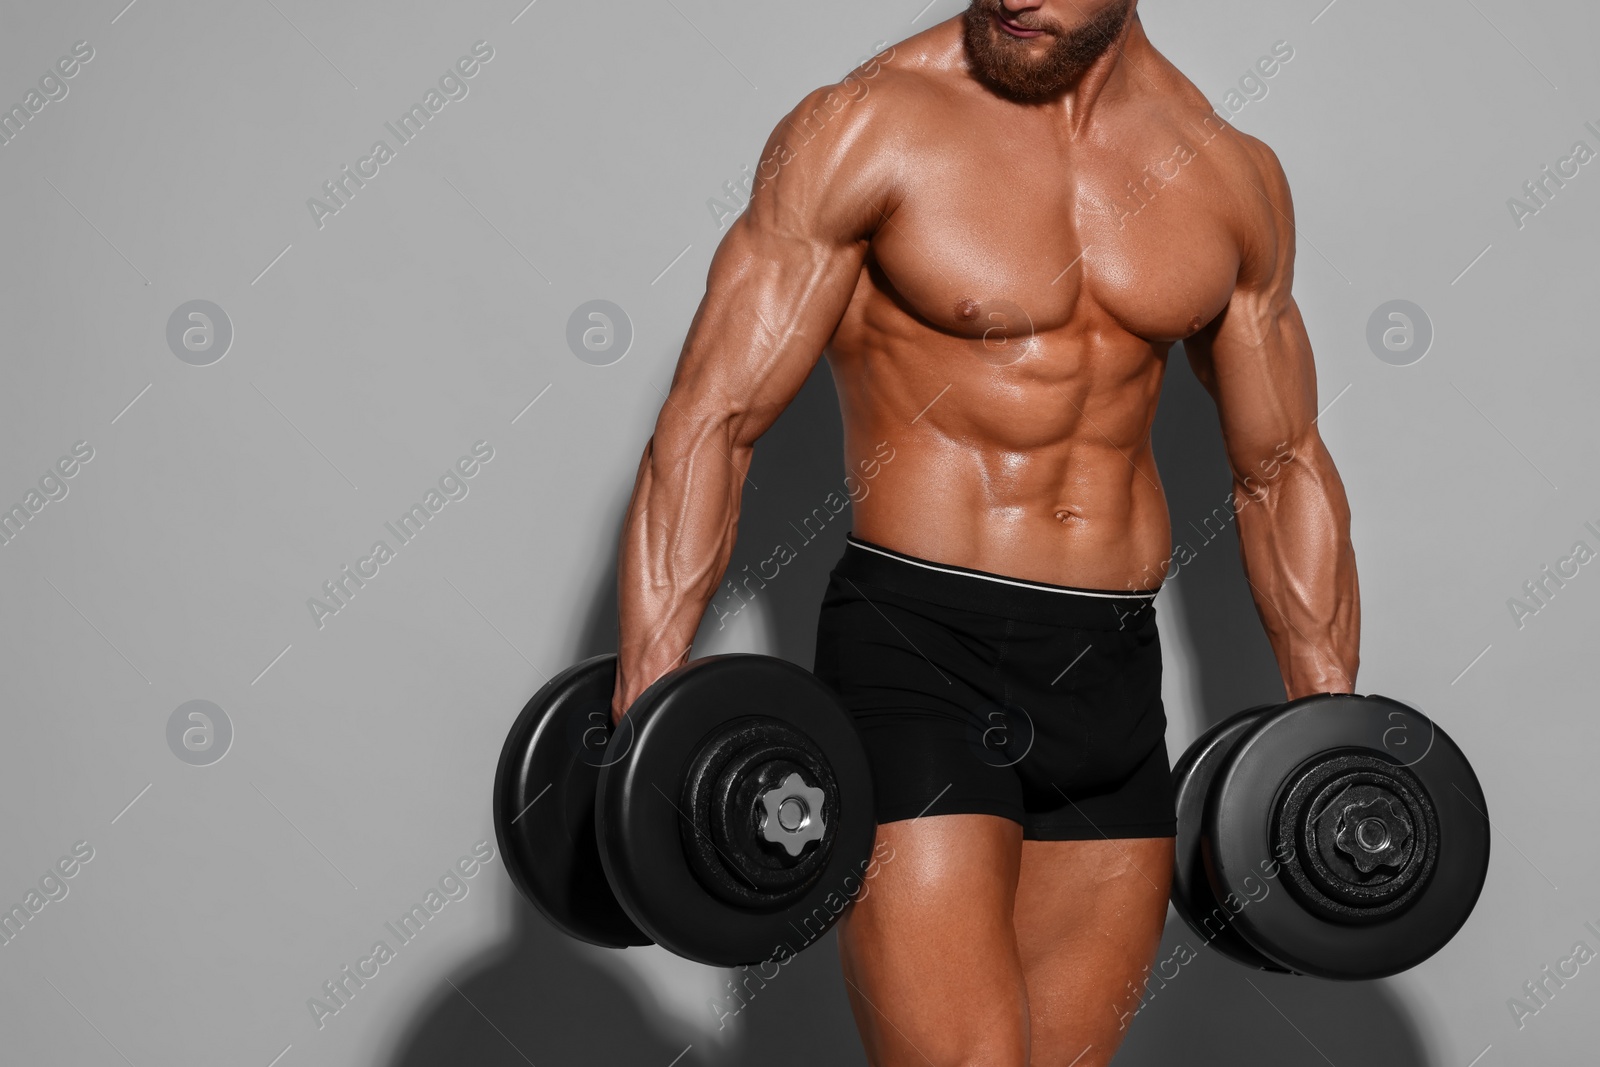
(676, 542)
(1294, 535)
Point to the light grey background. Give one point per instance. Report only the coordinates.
(369, 354)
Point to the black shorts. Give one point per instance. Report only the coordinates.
(975, 692)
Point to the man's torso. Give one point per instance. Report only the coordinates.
(1011, 325)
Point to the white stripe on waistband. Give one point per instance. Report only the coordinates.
(1018, 582)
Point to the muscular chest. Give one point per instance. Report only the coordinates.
(988, 237)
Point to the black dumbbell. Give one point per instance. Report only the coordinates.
(1337, 835)
(729, 815)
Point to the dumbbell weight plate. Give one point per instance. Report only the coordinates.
(1421, 776)
(1192, 897)
(544, 803)
(731, 718)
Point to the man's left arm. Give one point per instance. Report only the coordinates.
(1294, 520)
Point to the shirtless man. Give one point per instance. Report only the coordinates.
(996, 248)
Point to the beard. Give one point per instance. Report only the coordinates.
(1004, 64)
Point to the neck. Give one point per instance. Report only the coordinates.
(1105, 78)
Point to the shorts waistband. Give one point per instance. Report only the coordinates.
(968, 589)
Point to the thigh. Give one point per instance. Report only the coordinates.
(929, 950)
(1088, 918)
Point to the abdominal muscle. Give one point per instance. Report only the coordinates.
(1039, 470)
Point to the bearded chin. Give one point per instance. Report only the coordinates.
(1007, 66)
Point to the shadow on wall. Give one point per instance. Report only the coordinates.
(542, 998)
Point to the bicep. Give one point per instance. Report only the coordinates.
(1259, 369)
(1255, 358)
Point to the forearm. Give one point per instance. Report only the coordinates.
(676, 542)
(1294, 535)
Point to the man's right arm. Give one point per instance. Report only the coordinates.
(778, 285)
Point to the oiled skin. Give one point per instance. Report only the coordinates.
(998, 304)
